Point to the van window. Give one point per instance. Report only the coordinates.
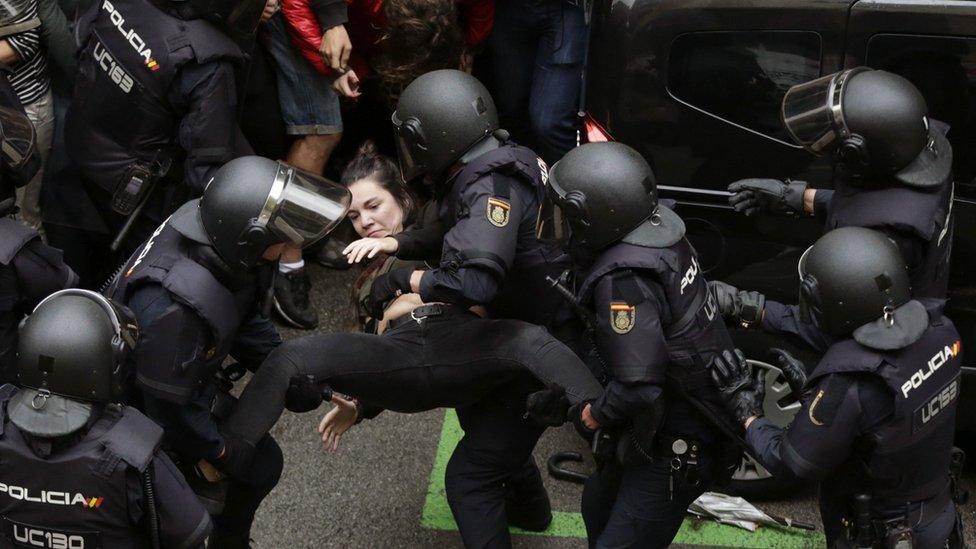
(943, 68)
(741, 77)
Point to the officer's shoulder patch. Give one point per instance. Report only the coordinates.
(498, 211)
(623, 316)
(827, 398)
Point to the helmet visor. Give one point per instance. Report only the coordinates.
(410, 147)
(812, 112)
(552, 225)
(16, 139)
(303, 207)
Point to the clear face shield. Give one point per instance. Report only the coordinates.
(813, 112)
(409, 140)
(303, 207)
(16, 139)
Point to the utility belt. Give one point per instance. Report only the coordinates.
(682, 455)
(432, 310)
(864, 531)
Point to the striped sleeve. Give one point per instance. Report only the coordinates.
(29, 79)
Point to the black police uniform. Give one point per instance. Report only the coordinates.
(918, 219)
(876, 422)
(29, 271)
(193, 312)
(657, 328)
(150, 86)
(490, 256)
(86, 489)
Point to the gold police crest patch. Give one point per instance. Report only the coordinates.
(498, 212)
(623, 316)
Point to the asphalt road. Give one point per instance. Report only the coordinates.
(378, 489)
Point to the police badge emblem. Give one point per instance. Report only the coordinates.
(498, 211)
(622, 316)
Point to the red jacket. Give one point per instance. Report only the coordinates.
(365, 27)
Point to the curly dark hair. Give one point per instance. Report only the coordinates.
(421, 36)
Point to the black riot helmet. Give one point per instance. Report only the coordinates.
(239, 18)
(852, 277)
(874, 121)
(439, 117)
(71, 351)
(252, 203)
(600, 193)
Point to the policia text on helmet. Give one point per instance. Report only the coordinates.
(253, 203)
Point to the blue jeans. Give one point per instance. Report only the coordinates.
(537, 51)
(309, 105)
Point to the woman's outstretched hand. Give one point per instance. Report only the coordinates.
(367, 248)
(340, 419)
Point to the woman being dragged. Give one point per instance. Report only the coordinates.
(412, 359)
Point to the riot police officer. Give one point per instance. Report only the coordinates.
(655, 327)
(79, 469)
(29, 269)
(155, 100)
(488, 190)
(878, 416)
(200, 289)
(893, 173)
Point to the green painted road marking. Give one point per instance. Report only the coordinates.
(437, 514)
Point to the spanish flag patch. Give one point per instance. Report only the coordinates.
(623, 316)
(498, 211)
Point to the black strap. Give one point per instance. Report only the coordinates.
(623, 287)
(679, 325)
(501, 186)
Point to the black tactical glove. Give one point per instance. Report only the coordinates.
(794, 370)
(744, 307)
(235, 458)
(755, 196)
(386, 287)
(742, 389)
(303, 394)
(548, 406)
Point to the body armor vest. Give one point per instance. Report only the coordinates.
(78, 497)
(131, 56)
(525, 294)
(173, 261)
(695, 331)
(919, 212)
(907, 457)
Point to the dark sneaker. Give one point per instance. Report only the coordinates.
(527, 506)
(329, 254)
(291, 299)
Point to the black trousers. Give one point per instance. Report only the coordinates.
(485, 368)
(232, 527)
(635, 506)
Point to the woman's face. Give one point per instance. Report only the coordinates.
(374, 212)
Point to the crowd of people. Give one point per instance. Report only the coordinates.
(169, 165)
